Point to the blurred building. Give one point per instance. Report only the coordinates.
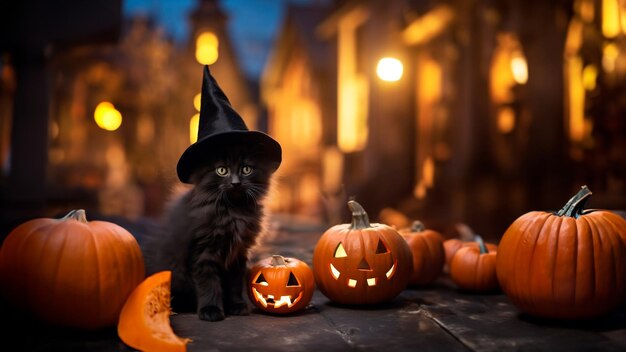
(485, 109)
(298, 88)
(119, 113)
(502, 107)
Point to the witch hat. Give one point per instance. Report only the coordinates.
(220, 125)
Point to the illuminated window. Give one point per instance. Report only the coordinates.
(508, 68)
(610, 18)
(352, 90)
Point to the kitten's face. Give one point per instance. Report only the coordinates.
(236, 177)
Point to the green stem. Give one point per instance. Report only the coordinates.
(78, 215)
(417, 226)
(360, 220)
(574, 207)
(278, 260)
(481, 245)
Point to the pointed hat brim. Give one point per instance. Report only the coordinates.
(219, 127)
(197, 154)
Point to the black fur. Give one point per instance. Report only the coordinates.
(208, 233)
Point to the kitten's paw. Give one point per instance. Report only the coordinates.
(238, 309)
(211, 313)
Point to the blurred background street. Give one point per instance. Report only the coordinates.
(448, 111)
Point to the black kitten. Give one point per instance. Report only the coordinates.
(209, 231)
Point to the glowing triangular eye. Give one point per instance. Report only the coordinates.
(381, 248)
(340, 252)
(292, 280)
(261, 280)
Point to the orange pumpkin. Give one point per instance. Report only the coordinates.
(144, 322)
(281, 285)
(428, 253)
(361, 263)
(567, 265)
(71, 272)
(473, 268)
(452, 245)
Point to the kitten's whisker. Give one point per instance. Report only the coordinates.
(253, 197)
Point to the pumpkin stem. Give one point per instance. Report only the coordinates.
(360, 220)
(78, 215)
(278, 260)
(417, 226)
(574, 207)
(481, 245)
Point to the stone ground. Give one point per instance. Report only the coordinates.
(437, 318)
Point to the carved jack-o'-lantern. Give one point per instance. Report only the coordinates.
(281, 285)
(360, 263)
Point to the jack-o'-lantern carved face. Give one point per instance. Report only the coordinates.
(371, 264)
(281, 285)
(360, 263)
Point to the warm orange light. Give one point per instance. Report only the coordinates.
(207, 45)
(389, 69)
(428, 172)
(587, 11)
(576, 100)
(196, 101)
(428, 26)
(107, 117)
(623, 17)
(506, 120)
(54, 129)
(590, 74)
(332, 170)
(611, 26)
(193, 128)
(610, 55)
(508, 68)
(420, 190)
(519, 68)
(352, 91)
(352, 121)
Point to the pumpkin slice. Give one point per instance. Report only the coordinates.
(145, 319)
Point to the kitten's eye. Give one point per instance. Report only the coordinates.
(246, 170)
(221, 171)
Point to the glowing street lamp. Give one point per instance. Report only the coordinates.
(107, 117)
(389, 69)
(207, 45)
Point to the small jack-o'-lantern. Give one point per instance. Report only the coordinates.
(281, 285)
(360, 263)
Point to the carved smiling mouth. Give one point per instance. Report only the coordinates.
(370, 281)
(270, 300)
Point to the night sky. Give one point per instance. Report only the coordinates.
(252, 24)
